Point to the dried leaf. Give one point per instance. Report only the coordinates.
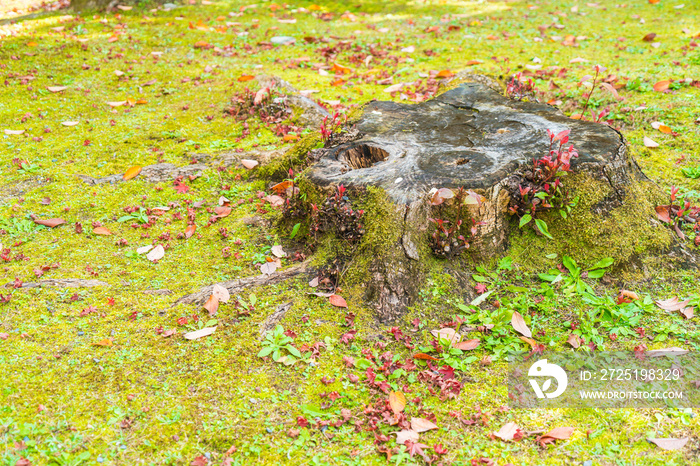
(117, 104)
(422, 425)
(280, 188)
(669, 443)
(441, 195)
(106, 342)
(245, 77)
(222, 211)
(649, 142)
(397, 402)
(608, 87)
(507, 432)
(212, 304)
(529, 341)
(404, 435)
(249, 164)
(278, 251)
(189, 231)
(673, 304)
(574, 340)
(519, 324)
(156, 253)
(101, 231)
(200, 333)
(444, 74)
(69, 123)
(14, 132)
(337, 301)
(144, 249)
(467, 345)
(671, 351)
(662, 85)
(268, 268)
(447, 333)
(663, 213)
(132, 172)
(57, 88)
(559, 433)
(50, 222)
(221, 293)
(649, 37)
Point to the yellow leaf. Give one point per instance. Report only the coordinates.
(105, 342)
(133, 172)
(397, 401)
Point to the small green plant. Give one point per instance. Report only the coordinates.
(573, 282)
(276, 344)
(140, 216)
(19, 226)
(692, 172)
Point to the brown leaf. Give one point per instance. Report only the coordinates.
(397, 401)
(189, 231)
(337, 301)
(280, 188)
(422, 425)
(649, 37)
(57, 88)
(519, 325)
(650, 143)
(50, 222)
(467, 345)
(444, 74)
(574, 340)
(132, 172)
(441, 195)
(101, 231)
(221, 293)
(406, 434)
(212, 304)
(669, 443)
(663, 213)
(688, 312)
(169, 333)
(673, 304)
(245, 77)
(558, 433)
(222, 211)
(268, 268)
(156, 253)
(529, 341)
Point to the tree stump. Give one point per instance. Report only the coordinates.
(472, 137)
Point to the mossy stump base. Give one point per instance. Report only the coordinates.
(470, 137)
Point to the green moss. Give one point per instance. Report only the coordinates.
(294, 158)
(624, 233)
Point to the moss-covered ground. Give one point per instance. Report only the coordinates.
(87, 375)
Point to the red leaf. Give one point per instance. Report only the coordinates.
(424, 356)
(467, 345)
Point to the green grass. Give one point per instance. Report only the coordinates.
(154, 400)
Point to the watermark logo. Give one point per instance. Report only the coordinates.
(544, 369)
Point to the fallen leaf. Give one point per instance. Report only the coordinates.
(529, 341)
(14, 132)
(671, 351)
(268, 268)
(274, 200)
(663, 213)
(397, 402)
(673, 304)
(221, 293)
(278, 251)
(425, 357)
(447, 333)
(50, 222)
(662, 85)
(169, 333)
(116, 104)
(101, 231)
(649, 37)
(249, 164)
(280, 188)
(467, 345)
(105, 342)
(337, 301)
(422, 425)
(441, 195)
(132, 172)
(212, 304)
(688, 312)
(222, 211)
(444, 74)
(144, 249)
(519, 324)
(189, 231)
(200, 333)
(245, 77)
(507, 432)
(574, 340)
(156, 253)
(669, 443)
(406, 434)
(57, 88)
(558, 433)
(70, 123)
(648, 142)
